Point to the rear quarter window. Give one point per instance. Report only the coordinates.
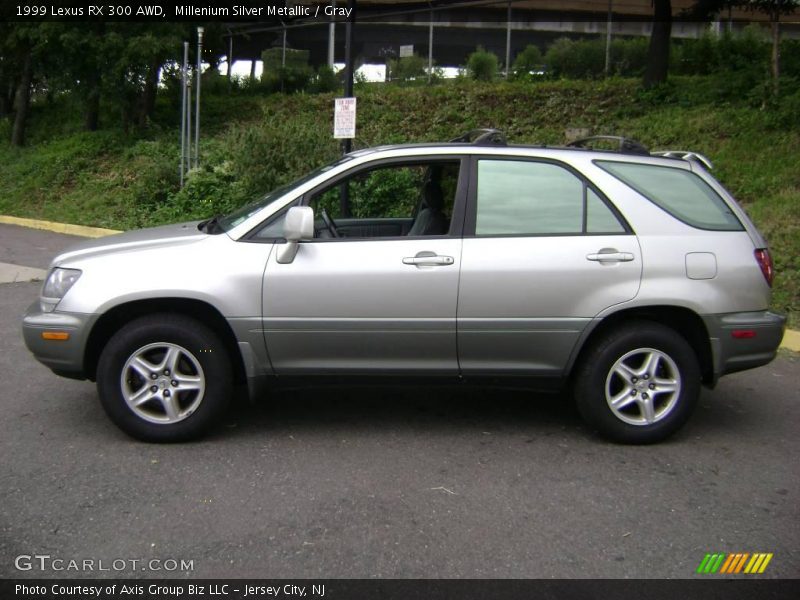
(681, 193)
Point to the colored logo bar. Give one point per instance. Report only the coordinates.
(736, 562)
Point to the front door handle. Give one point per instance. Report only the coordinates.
(610, 255)
(428, 259)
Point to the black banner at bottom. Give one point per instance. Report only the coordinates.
(390, 589)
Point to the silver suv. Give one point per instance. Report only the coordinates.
(625, 277)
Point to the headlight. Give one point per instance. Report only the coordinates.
(56, 286)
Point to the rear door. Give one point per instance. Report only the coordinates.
(544, 251)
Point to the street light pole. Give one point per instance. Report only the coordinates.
(197, 97)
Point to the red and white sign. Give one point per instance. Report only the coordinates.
(344, 118)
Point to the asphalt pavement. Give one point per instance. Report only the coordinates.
(468, 483)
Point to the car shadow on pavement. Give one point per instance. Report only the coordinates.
(403, 410)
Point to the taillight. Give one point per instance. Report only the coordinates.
(764, 261)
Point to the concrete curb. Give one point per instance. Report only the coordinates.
(81, 230)
(791, 338)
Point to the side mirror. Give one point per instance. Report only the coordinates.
(298, 226)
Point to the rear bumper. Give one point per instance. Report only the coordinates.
(64, 357)
(759, 335)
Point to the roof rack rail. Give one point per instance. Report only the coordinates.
(482, 137)
(686, 155)
(625, 145)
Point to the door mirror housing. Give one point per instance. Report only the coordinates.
(298, 226)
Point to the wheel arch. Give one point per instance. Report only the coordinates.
(115, 318)
(684, 321)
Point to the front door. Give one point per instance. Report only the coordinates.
(363, 297)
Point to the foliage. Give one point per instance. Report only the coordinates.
(586, 59)
(575, 58)
(407, 68)
(527, 63)
(288, 79)
(324, 81)
(482, 65)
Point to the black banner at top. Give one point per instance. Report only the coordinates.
(309, 12)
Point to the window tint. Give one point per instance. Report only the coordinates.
(599, 218)
(518, 197)
(535, 198)
(681, 193)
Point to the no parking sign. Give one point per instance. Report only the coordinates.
(344, 118)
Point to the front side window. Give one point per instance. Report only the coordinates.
(516, 197)
(390, 201)
(679, 192)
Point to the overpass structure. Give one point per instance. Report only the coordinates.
(454, 28)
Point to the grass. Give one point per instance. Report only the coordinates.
(251, 144)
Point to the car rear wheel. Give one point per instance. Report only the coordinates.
(164, 378)
(638, 383)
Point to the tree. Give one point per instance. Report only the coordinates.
(21, 46)
(774, 9)
(660, 41)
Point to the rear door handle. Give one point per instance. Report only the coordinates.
(425, 260)
(610, 256)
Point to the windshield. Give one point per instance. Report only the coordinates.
(239, 216)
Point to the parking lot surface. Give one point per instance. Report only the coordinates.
(471, 483)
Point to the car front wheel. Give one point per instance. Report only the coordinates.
(638, 383)
(164, 378)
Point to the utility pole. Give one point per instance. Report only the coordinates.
(230, 57)
(184, 76)
(608, 37)
(430, 46)
(197, 97)
(332, 38)
(508, 40)
(347, 144)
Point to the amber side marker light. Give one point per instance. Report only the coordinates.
(61, 336)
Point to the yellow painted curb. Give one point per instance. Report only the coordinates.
(791, 340)
(82, 230)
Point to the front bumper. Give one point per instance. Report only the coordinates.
(64, 357)
(738, 352)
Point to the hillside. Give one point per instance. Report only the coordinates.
(251, 144)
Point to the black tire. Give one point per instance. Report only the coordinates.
(638, 340)
(195, 411)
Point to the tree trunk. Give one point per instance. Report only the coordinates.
(93, 103)
(22, 100)
(147, 101)
(5, 106)
(776, 53)
(660, 39)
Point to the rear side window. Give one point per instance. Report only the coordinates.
(681, 193)
(516, 197)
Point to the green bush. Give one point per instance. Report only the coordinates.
(287, 79)
(576, 59)
(324, 81)
(629, 56)
(407, 68)
(482, 65)
(527, 63)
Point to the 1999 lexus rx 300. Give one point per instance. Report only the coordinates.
(628, 278)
